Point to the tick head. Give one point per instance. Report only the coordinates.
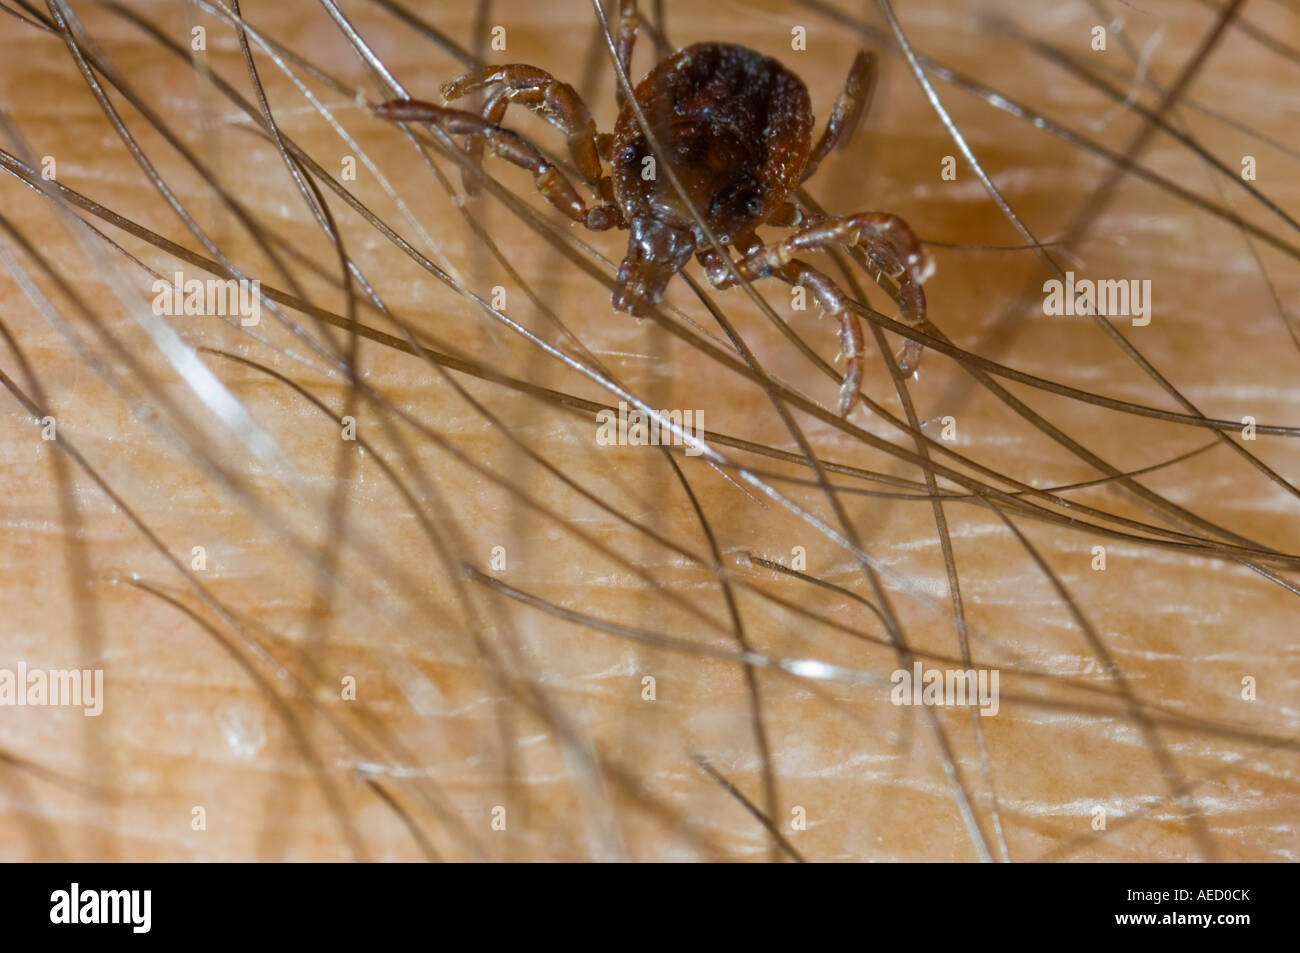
(655, 252)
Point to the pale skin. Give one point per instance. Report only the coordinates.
(186, 724)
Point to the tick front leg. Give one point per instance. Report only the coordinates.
(508, 145)
(494, 110)
(556, 102)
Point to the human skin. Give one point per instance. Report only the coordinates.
(225, 685)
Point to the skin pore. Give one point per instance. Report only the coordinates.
(389, 645)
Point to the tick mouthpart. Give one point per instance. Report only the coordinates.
(641, 286)
(655, 252)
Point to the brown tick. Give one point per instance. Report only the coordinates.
(736, 127)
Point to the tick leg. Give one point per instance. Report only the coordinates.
(786, 215)
(829, 297)
(887, 239)
(556, 102)
(911, 303)
(715, 267)
(628, 24)
(508, 145)
(848, 110)
(833, 301)
(494, 110)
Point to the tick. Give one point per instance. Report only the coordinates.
(735, 127)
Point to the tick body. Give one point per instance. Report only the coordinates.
(735, 127)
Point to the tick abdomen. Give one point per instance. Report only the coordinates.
(736, 127)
